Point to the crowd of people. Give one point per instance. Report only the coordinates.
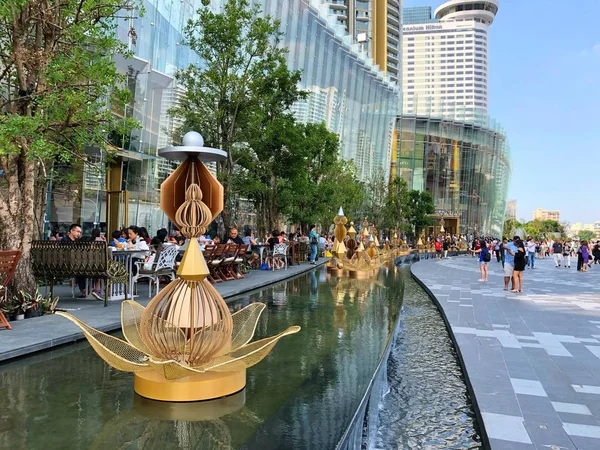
(136, 238)
(517, 255)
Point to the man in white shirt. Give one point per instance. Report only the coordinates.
(531, 253)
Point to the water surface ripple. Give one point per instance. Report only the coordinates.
(427, 406)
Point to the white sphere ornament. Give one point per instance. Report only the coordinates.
(193, 139)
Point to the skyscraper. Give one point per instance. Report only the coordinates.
(511, 210)
(445, 60)
(376, 25)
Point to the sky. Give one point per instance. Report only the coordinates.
(544, 69)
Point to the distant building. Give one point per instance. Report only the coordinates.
(445, 60)
(511, 210)
(578, 227)
(542, 214)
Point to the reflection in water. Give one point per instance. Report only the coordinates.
(301, 397)
(427, 406)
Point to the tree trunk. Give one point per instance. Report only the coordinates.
(20, 206)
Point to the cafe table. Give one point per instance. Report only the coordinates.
(126, 257)
(261, 251)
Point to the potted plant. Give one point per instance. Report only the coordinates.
(47, 304)
(9, 308)
(33, 305)
(22, 302)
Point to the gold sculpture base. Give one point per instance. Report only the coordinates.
(362, 274)
(195, 388)
(189, 411)
(335, 271)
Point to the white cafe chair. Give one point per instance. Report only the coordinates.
(165, 266)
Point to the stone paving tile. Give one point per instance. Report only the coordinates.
(532, 359)
(40, 333)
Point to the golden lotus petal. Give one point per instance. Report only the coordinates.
(244, 325)
(239, 359)
(117, 353)
(131, 317)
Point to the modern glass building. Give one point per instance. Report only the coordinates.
(464, 166)
(417, 14)
(347, 91)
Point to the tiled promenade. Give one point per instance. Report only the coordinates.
(40, 333)
(532, 359)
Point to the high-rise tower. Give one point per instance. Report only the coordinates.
(445, 60)
(376, 25)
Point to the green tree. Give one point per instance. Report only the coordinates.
(419, 206)
(323, 183)
(269, 159)
(510, 227)
(243, 69)
(376, 193)
(586, 235)
(395, 204)
(539, 229)
(56, 77)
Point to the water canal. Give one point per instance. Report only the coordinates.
(305, 395)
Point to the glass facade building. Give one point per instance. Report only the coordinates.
(417, 14)
(346, 91)
(464, 166)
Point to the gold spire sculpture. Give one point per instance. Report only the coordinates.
(374, 234)
(335, 264)
(185, 345)
(365, 230)
(351, 231)
(351, 243)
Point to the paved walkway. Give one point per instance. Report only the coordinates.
(32, 335)
(532, 359)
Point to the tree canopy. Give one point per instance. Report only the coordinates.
(241, 89)
(57, 76)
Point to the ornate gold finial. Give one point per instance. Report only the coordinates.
(365, 228)
(193, 216)
(351, 231)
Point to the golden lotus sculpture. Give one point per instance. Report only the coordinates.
(185, 345)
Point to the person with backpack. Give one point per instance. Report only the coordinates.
(484, 258)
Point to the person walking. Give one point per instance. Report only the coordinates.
(519, 265)
(510, 249)
(484, 258)
(313, 238)
(438, 249)
(497, 246)
(531, 253)
(585, 256)
(567, 254)
(557, 253)
(445, 247)
(596, 252)
(503, 252)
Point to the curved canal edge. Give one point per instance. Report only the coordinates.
(471, 391)
(365, 420)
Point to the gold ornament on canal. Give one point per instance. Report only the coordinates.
(186, 345)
